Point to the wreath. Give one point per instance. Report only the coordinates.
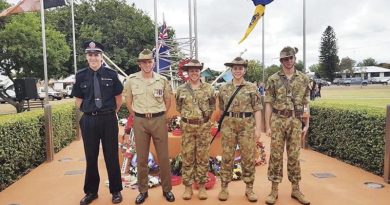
(180, 72)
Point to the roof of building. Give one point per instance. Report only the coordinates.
(370, 69)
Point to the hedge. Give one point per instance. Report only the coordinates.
(22, 140)
(353, 134)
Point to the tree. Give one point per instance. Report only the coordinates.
(254, 71)
(299, 66)
(347, 65)
(271, 70)
(368, 62)
(21, 50)
(315, 68)
(3, 5)
(123, 29)
(328, 58)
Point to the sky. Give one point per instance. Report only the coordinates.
(362, 28)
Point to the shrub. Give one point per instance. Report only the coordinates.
(22, 140)
(353, 134)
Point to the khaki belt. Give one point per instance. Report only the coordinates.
(239, 114)
(149, 115)
(195, 121)
(287, 113)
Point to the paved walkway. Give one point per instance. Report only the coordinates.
(61, 183)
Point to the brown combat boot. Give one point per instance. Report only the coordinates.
(271, 198)
(187, 195)
(297, 194)
(224, 193)
(202, 194)
(250, 195)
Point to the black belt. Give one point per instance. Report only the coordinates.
(287, 113)
(149, 115)
(239, 114)
(107, 112)
(195, 121)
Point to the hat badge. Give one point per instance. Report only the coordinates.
(92, 45)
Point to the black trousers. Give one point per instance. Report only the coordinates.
(95, 129)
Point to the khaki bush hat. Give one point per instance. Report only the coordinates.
(193, 64)
(146, 54)
(287, 52)
(237, 61)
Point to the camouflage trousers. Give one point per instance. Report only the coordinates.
(238, 131)
(285, 131)
(195, 152)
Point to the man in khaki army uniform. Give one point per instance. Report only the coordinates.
(195, 101)
(148, 96)
(287, 94)
(240, 127)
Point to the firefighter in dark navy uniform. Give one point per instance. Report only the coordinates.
(98, 95)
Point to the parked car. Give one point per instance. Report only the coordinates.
(323, 82)
(355, 81)
(52, 94)
(337, 81)
(385, 81)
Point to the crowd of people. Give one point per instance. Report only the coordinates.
(148, 95)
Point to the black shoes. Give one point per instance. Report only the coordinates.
(169, 196)
(88, 198)
(141, 198)
(116, 197)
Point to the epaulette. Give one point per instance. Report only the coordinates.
(161, 76)
(82, 70)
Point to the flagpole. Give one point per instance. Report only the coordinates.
(156, 37)
(44, 51)
(74, 39)
(47, 108)
(262, 47)
(190, 26)
(196, 29)
(170, 66)
(304, 36)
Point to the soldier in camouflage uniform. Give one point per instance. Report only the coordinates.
(195, 101)
(240, 127)
(287, 92)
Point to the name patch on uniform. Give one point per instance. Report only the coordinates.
(106, 79)
(158, 92)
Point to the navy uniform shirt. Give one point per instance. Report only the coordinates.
(110, 86)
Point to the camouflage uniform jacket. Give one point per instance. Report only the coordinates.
(195, 108)
(246, 100)
(287, 94)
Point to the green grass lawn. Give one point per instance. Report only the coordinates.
(370, 96)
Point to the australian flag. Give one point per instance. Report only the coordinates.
(163, 49)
